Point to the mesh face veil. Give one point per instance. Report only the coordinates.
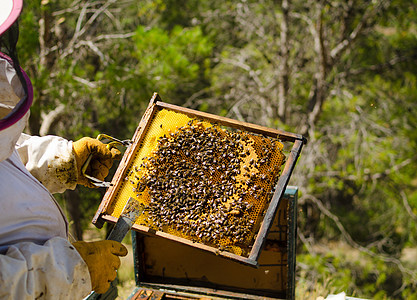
(16, 92)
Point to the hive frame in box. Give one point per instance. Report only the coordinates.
(181, 273)
(154, 106)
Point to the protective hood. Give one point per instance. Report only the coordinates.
(13, 112)
(12, 109)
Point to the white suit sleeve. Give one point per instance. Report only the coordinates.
(50, 159)
(54, 270)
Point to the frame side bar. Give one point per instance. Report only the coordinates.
(272, 209)
(137, 137)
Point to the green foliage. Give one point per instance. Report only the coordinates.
(171, 61)
(346, 269)
(28, 33)
(227, 57)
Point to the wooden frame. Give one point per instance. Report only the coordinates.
(155, 105)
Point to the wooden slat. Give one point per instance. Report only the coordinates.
(283, 135)
(273, 206)
(126, 159)
(149, 231)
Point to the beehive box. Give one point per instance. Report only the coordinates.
(167, 270)
(206, 181)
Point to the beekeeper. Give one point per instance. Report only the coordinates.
(36, 258)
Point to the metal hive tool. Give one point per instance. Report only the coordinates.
(206, 181)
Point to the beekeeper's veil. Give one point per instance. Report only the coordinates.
(16, 92)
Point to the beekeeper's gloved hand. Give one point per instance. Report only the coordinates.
(100, 163)
(102, 259)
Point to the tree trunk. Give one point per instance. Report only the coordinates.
(72, 200)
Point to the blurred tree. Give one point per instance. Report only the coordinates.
(342, 73)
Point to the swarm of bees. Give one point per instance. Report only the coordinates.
(205, 183)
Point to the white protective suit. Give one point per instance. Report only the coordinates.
(36, 259)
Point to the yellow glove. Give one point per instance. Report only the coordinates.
(102, 259)
(100, 163)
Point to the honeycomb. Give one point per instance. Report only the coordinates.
(201, 181)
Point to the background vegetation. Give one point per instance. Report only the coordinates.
(340, 72)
